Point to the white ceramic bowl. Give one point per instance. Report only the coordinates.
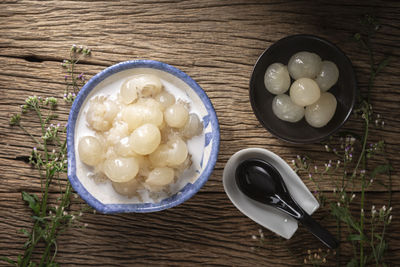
(203, 148)
(269, 217)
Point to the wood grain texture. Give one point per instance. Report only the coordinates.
(217, 44)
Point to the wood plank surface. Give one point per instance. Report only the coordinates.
(217, 44)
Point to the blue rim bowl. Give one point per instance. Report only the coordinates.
(211, 138)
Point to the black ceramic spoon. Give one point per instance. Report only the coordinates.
(260, 181)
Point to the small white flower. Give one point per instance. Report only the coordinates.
(327, 148)
(80, 214)
(85, 225)
(384, 208)
(390, 219)
(65, 213)
(293, 162)
(338, 204)
(353, 196)
(390, 209)
(253, 237)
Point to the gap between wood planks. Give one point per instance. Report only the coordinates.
(41, 59)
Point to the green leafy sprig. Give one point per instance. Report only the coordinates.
(73, 81)
(49, 157)
(366, 231)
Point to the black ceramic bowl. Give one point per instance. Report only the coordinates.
(344, 90)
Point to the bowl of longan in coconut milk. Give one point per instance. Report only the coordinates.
(142, 137)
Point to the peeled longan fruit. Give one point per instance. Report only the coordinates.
(145, 166)
(160, 176)
(192, 127)
(176, 115)
(304, 65)
(145, 139)
(132, 116)
(126, 188)
(159, 158)
(121, 169)
(327, 76)
(286, 110)
(277, 79)
(304, 92)
(90, 150)
(101, 113)
(165, 99)
(123, 148)
(128, 92)
(116, 133)
(138, 114)
(153, 114)
(322, 111)
(178, 151)
(147, 84)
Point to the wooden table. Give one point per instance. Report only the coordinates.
(217, 44)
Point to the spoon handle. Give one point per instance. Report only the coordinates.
(318, 231)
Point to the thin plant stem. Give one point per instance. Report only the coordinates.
(29, 134)
(46, 226)
(362, 158)
(65, 198)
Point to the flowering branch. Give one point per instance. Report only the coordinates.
(49, 158)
